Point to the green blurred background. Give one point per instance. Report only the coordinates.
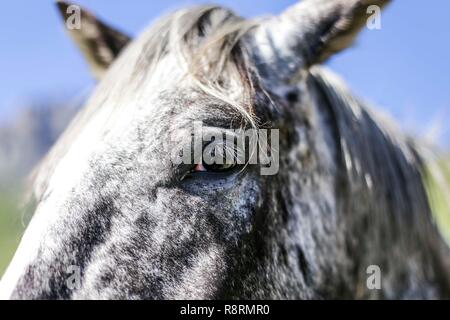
(11, 228)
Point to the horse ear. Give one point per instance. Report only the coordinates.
(312, 30)
(99, 43)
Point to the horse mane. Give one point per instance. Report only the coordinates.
(374, 153)
(386, 172)
(206, 43)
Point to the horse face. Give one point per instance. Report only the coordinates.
(119, 218)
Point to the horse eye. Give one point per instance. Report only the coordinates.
(215, 167)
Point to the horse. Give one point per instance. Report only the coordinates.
(117, 218)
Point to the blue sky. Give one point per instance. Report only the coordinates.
(404, 68)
